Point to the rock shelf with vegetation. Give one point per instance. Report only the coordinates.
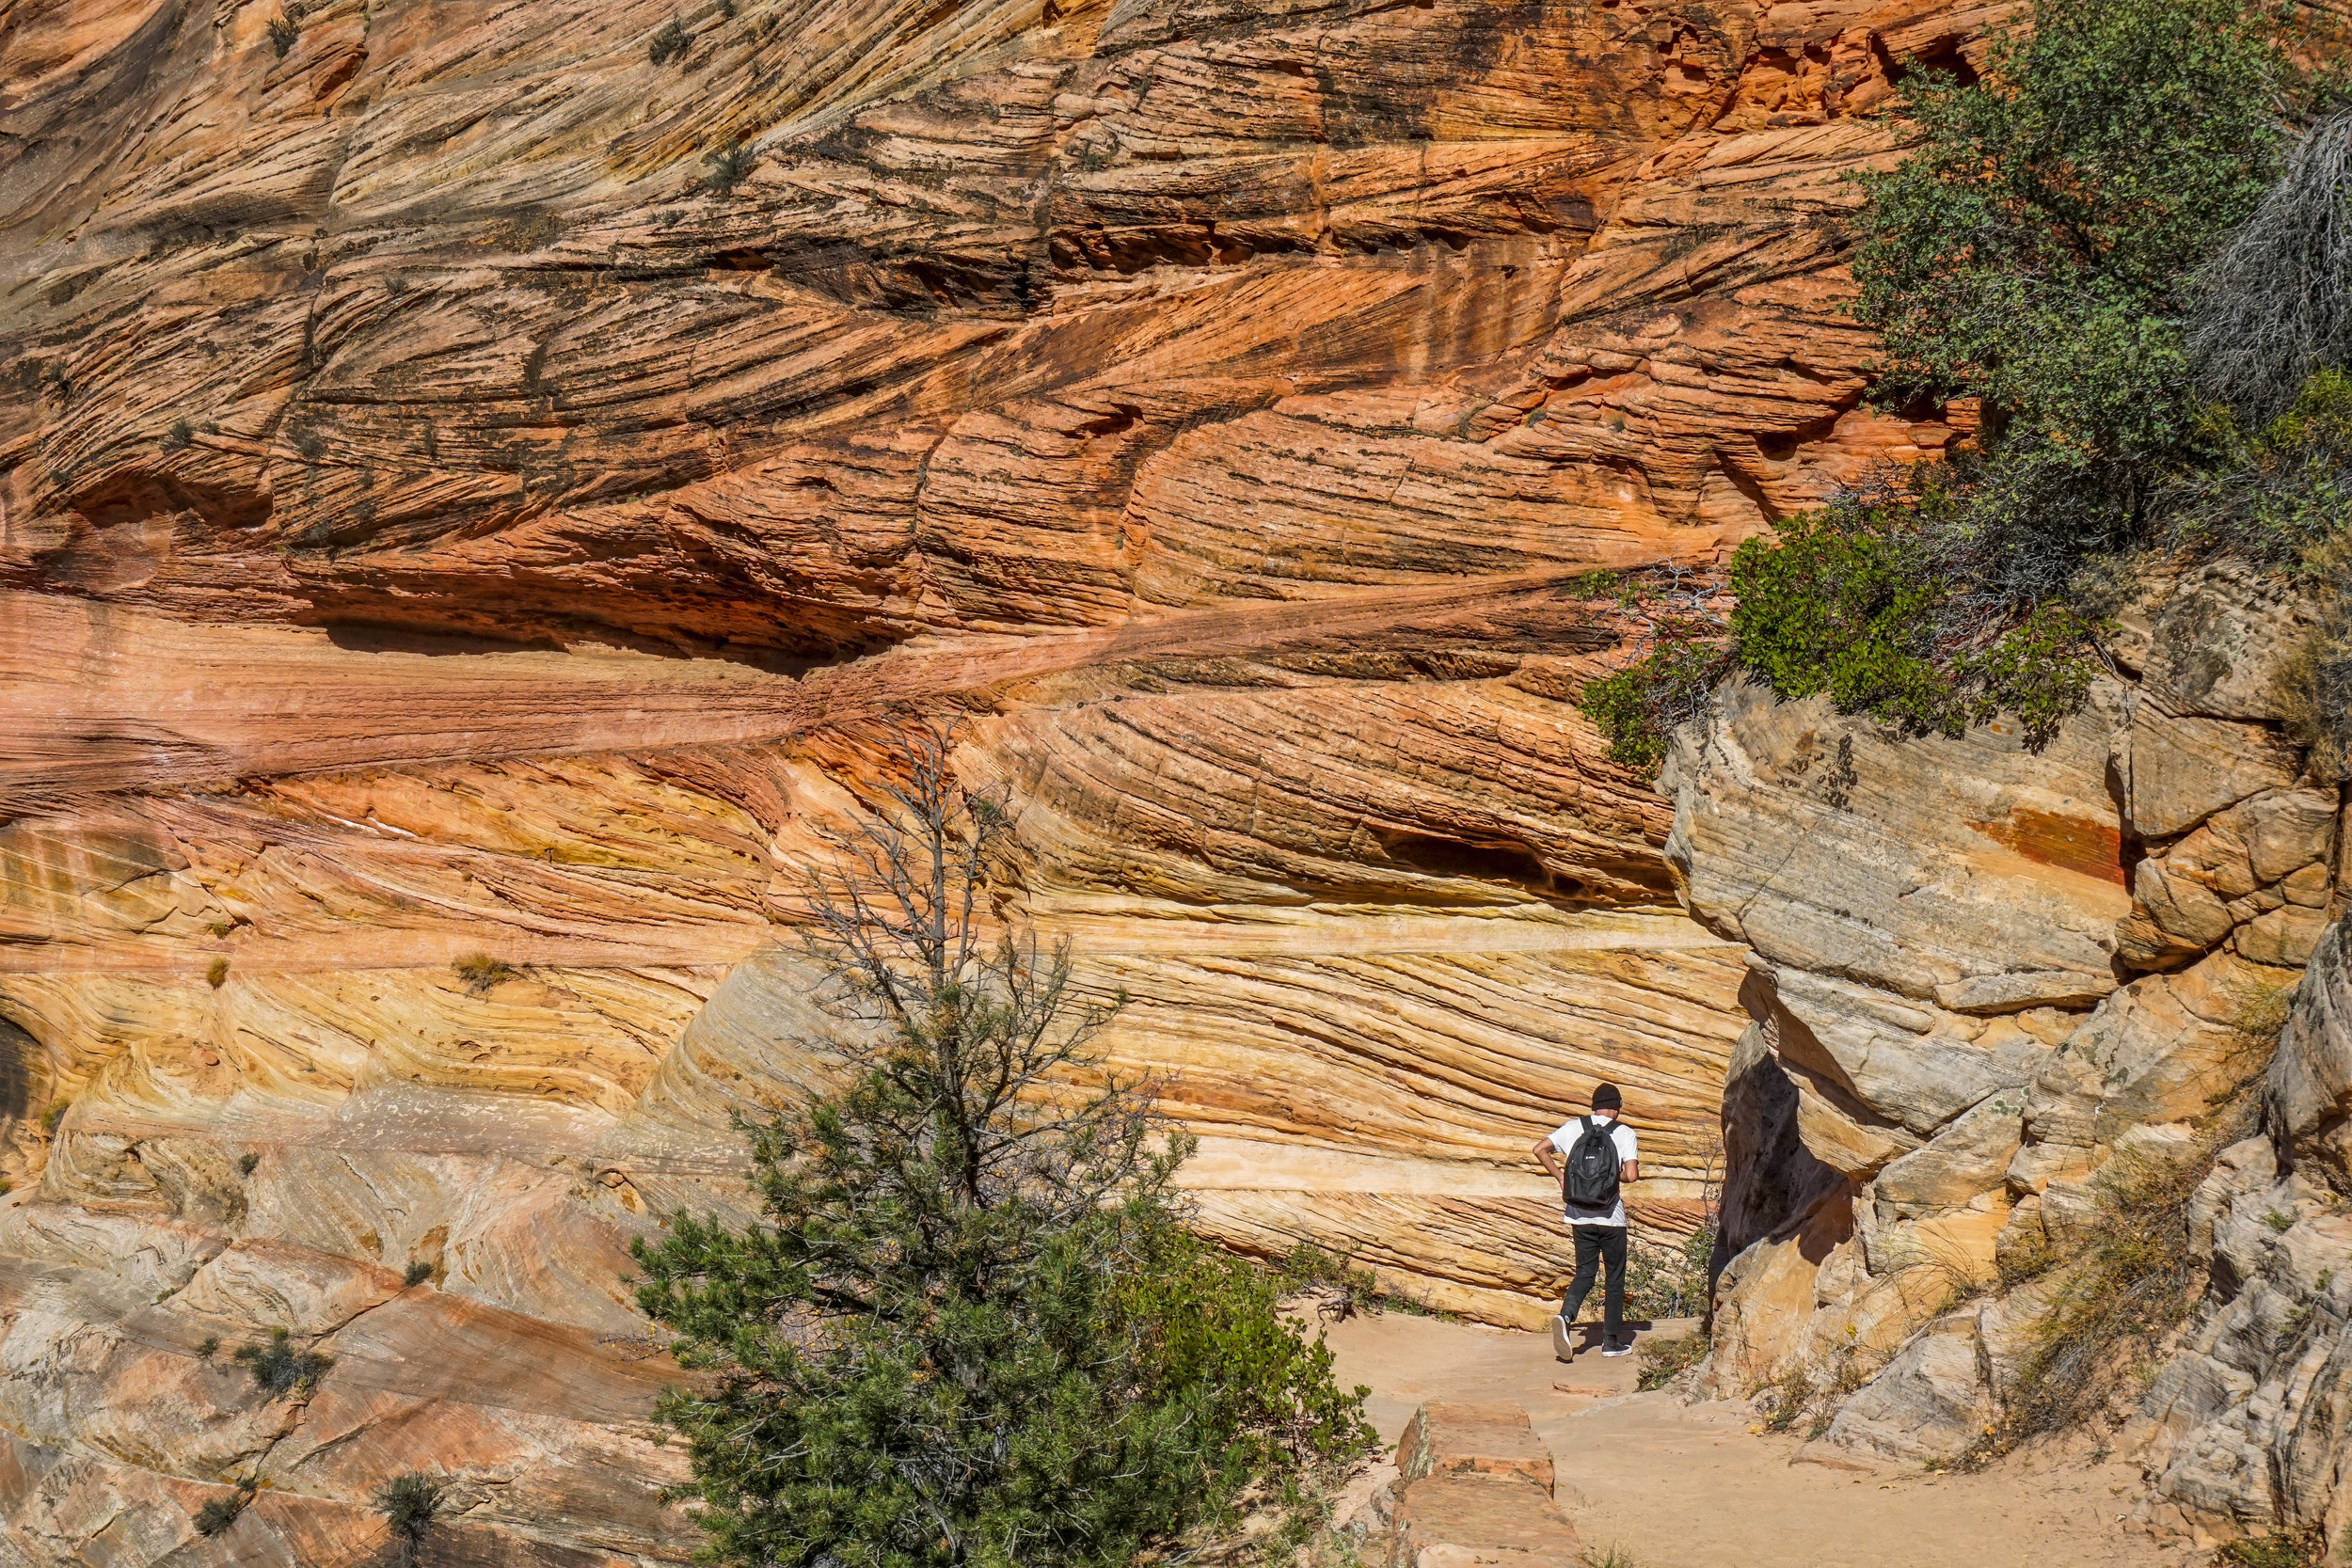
(480, 489)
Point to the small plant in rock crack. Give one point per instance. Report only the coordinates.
(481, 972)
(221, 1513)
(217, 973)
(278, 1368)
(210, 1348)
(178, 438)
(408, 1504)
(419, 1272)
(55, 1115)
(669, 42)
(283, 31)
(728, 166)
(245, 1164)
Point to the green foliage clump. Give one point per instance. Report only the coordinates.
(420, 1269)
(2036, 249)
(1877, 600)
(278, 1368)
(247, 1161)
(969, 1327)
(1638, 708)
(2303, 1548)
(283, 31)
(217, 973)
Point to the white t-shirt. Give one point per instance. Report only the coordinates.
(1628, 1147)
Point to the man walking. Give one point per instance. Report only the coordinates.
(1592, 1158)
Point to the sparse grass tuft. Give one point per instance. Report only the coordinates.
(480, 972)
(278, 1367)
(2303, 1548)
(217, 973)
(408, 1504)
(1663, 1360)
(221, 1513)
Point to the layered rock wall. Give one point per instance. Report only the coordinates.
(1980, 975)
(470, 476)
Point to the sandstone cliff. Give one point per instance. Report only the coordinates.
(472, 471)
(1977, 977)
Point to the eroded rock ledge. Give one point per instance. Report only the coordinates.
(1979, 975)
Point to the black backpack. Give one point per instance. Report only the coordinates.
(1590, 1182)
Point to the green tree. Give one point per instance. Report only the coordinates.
(970, 1327)
(2037, 247)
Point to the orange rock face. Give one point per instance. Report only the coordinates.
(470, 477)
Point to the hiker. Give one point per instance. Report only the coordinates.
(1600, 1155)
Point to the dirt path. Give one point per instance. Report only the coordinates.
(1670, 1485)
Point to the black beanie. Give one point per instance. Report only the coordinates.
(1606, 1097)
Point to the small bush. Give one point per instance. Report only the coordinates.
(1663, 1360)
(221, 1513)
(210, 1348)
(246, 1161)
(1669, 1282)
(283, 31)
(480, 972)
(278, 1368)
(408, 1504)
(217, 973)
(178, 438)
(669, 42)
(1639, 708)
(419, 1272)
(50, 1117)
(728, 167)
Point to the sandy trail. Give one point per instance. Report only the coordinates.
(1670, 1485)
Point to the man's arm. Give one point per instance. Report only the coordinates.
(1544, 1152)
(1630, 1171)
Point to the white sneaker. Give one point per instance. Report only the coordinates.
(1616, 1349)
(1562, 1342)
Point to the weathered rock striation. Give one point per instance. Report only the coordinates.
(1979, 975)
(473, 476)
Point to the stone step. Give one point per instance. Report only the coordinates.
(1473, 1487)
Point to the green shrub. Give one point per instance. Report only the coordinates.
(420, 1269)
(246, 1161)
(2037, 247)
(217, 973)
(969, 1328)
(178, 438)
(283, 31)
(408, 1504)
(278, 1368)
(1638, 708)
(670, 41)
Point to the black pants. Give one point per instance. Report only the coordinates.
(1599, 1244)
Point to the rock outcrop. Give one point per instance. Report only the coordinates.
(470, 478)
(1979, 975)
